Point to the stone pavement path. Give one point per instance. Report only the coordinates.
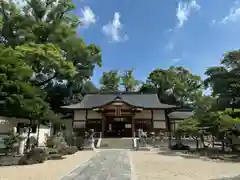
(107, 165)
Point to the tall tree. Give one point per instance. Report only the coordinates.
(110, 81)
(18, 97)
(186, 85)
(46, 32)
(224, 80)
(175, 85)
(128, 81)
(159, 80)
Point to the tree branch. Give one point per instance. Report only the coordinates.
(47, 81)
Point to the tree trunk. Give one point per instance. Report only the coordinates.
(38, 128)
(197, 143)
(178, 140)
(223, 146)
(169, 140)
(202, 140)
(213, 139)
(28, 135)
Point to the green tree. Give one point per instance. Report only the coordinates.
(128, 81)
(160, 81)
(20, 98)
(47, 62)
(50, 28)
(175, 85)
(110, 81)
(224, 80)
(186, 85)
(60, 94)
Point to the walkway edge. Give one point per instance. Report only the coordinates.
(71, 173)
(133, 174)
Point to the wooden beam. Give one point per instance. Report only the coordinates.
(152, 120)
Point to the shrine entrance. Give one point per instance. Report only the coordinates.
(118, 118)
(118, 127)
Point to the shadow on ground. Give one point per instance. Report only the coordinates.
(210, 157)
(169, 153)
(228, 178)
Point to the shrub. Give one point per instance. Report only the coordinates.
(179, 147)
(56, 141)
(59, 140)
(63, 151)
(50, 141)
(11, 143)
(53, 154)
(35, 156)
(73, 149)
(52, 151)
(54, 157)
(9, 160)
(33, 142)
(68, 150)
(80, 142)
(70, 138)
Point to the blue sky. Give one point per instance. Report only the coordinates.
(153, 34)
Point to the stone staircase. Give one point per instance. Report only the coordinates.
(116, 143)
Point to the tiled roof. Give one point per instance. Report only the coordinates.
(180, 114)
(139, 100)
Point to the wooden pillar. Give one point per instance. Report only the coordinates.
(133, 127)
(103, 125)
(168, 128)
(152, 123)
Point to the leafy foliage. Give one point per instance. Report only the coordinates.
(40, 52)
(47, 62)
(208, 120)
(114, 81)
(225, 79)
(128, 81)
(35, 156)
(190, 126)
(11, 142)
(110, 81)
(175, 85)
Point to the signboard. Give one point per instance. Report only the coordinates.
(118, 119)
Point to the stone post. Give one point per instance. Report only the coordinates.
(92, 139)
(22, 143)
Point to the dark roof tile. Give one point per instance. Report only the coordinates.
(138, 100)
(180, 114)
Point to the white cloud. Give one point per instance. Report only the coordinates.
(232, 16)
(113, 29)
(184, 10)
(87, 17)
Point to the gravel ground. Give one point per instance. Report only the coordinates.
(153, 166)
(107, 165)
(124, 165)
(49, 170)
